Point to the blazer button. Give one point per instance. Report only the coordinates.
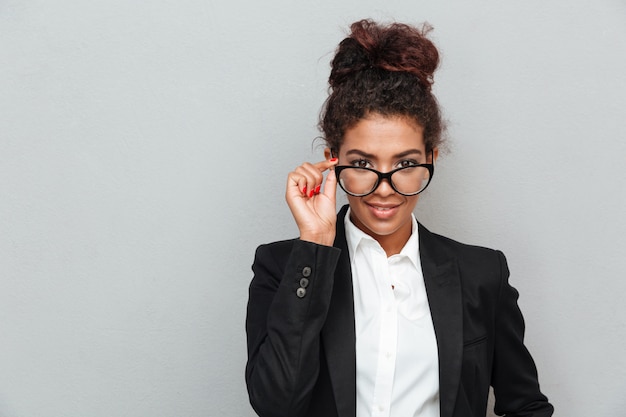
(304, 282)
(300, 292)
(306, 271)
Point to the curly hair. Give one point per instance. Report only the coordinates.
(386, 70)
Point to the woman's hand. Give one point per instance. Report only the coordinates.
(313, 208)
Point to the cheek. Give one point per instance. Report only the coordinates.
(412, 201)
(353, 201)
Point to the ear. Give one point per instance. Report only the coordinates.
(328, 154)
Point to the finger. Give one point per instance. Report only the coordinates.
(326, 164)
(300, 182)
(330, 186)
(309, 177)
(323, 166)
(295, 184)
(313, 176)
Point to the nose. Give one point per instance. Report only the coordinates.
(384, 188)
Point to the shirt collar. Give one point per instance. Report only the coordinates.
(355, 236)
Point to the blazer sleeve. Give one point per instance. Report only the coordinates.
(514, 374)
(288, 303)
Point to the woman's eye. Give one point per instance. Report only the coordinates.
(360, 163)
(407, 163)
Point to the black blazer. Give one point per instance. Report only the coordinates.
(301, 337)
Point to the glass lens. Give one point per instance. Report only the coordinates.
(411, 180)
(357, 180)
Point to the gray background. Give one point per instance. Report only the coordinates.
(144, 148)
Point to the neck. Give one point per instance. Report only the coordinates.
(392, 243)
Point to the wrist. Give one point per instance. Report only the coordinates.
(320, 239)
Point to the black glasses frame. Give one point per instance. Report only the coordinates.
(387, 176)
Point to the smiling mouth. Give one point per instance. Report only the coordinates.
(383, 210)
(382, 207)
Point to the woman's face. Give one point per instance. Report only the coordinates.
(384, 143)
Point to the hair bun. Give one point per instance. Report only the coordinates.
(397, 47)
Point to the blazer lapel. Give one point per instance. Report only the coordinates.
(443, 288)
(338, 334)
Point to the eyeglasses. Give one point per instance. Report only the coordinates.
(408, 181)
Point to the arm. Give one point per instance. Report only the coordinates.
(514, 375)
(283, 329)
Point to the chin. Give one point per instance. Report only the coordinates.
(382, 229)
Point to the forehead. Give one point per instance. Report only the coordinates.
(382, 135)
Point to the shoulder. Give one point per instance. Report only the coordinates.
(477, 265)
(455, 248)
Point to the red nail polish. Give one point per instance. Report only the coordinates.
(304, 190)
(311, 193)
(317, 189)
(333, 160)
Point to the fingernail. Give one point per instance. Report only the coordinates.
(333, 160)
(311, 193)
(304, 190)
(317, 189)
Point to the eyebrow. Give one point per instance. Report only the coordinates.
(372, 156)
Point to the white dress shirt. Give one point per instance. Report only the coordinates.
(397, 370)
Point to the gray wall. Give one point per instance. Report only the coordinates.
(143, 154)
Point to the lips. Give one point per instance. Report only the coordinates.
(383, 210)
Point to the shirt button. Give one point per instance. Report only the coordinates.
(300, 292)
(304, 282)
(381, 408)
(306, 271)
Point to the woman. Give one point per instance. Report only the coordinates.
(368, 313)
